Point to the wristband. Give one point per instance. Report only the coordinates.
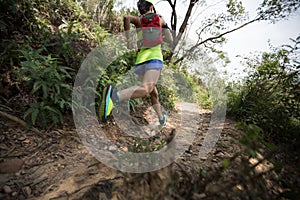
(165, 26)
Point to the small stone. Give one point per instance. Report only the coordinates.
(27, 191)
(21, 138)
(238, 160)
(220, 154)
(21, 197)
(14, 194)
(199, 196)
(93, 172)
(112, 148)
(212, 188)
(102, 196)
(7, 189)
(11, 165)
(187, 154)
(80, 178)
(26, 141)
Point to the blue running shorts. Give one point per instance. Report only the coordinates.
(154, 64)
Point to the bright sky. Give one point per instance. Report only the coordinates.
(250, 39)
(257, 36)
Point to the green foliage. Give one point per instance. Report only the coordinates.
(202, 98)
(8, 9)
(104, 13)
(133, 103)
(252, 138)
(45, 113)
(235, 7)
(234, 97)
(179, 85)
(46, 41)
(141, 145)
(166, 97)
(270, 96)
(122, 67)
(194, 91)
(73, 26)
(47, 81)
(276, 10)
(63, 27)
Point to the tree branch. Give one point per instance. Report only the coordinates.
(213, 38)
(185, 22)
(17, 120)
(173, 16)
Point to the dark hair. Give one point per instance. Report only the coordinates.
(144, 6)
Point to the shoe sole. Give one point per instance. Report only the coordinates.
(105, 102)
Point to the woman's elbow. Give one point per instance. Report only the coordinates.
(126, 18)
(170, 40)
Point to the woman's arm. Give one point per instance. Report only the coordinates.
(167, 32)
(129, 19)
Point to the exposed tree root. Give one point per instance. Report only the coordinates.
(17, 120)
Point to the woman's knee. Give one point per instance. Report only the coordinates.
(154, 93)
(149, 89)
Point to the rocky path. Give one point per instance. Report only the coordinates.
(55, 165)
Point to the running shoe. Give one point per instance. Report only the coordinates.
(109, 98)
(163, 119)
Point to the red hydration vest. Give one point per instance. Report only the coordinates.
(152, 31)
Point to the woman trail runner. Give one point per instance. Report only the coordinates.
(149, 61)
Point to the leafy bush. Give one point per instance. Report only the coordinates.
(270, 96)
(177, 85)
(54, 37)
(47, 81)
(166, 97)
(202, 97)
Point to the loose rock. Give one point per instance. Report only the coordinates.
(14, 194)
(27, 191)
(7, 189)
(11, 165)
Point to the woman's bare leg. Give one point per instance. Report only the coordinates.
(147, 88)
(150, 78)
(155, 102)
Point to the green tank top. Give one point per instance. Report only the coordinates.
(146, 53)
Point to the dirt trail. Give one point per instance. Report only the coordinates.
(55, 165)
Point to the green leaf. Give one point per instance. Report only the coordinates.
(45, 90)
(52, 109)
(36, 86)
(28, 111)
(34, 115)
(226, 163)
